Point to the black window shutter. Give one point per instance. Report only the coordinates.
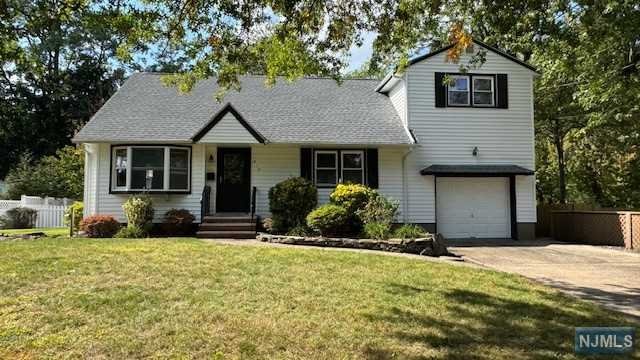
(372, 168)
(306, 170)
(503, 91)
(441, 91)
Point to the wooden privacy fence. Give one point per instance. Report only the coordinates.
(615, 228)
(50, 210)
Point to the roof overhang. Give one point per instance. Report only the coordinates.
(500, 170)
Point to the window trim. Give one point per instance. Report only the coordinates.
(492, 91)
(343, 168)
(166, 169)
(316, 168)
(471, 104)
(469, 90)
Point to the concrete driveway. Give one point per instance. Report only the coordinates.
(605, 275)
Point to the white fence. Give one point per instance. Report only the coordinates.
(50, 210)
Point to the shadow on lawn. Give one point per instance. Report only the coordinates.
(477, 325)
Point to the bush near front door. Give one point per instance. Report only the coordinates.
(290, 201)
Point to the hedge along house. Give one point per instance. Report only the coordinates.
(459, 158)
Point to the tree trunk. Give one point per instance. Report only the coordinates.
(558, 141)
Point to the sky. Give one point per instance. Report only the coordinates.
(359, 55)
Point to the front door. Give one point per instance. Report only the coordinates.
(234, 176)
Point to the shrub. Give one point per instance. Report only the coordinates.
(99, 226)
(20, 218)
(178, 222)
(377, 230)
(351, 196)
(409, 231)
(378, 209)
(77, 208)
(139, 211)
(290, 201)
(4, 222)
(329, 219)
(300, 230)
(130, 232)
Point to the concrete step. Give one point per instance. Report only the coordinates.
(226, 234)
(228, 219)
(227, 226)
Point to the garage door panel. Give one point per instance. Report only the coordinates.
(473, 207)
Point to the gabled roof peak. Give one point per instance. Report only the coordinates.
(493, 49)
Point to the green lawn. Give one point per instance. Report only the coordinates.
(184, 298)
(52, 232)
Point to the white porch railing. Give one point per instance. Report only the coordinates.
(50, 210)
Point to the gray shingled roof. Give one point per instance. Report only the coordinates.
(310, 110)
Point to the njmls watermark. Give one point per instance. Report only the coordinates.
(604, 340)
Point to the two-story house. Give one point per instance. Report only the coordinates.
(458, 155)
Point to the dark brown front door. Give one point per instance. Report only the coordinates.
(234, 176)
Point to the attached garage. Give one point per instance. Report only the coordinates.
(476, 201)
(473, 207)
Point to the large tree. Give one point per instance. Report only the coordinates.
(57, 68)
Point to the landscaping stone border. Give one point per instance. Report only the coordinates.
(33, 235)
(431, 245)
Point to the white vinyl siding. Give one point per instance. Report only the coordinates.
(390, 174)
(398, 97)
(228, 131)
(111, 204)
(448, 135)
(526, 198)
(271, 165)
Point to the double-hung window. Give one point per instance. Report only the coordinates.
(339, 166)
(151, 168)
(458, 93)
(483, 91)
(326, 168)
(352, 167)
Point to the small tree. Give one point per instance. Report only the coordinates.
(74, 213)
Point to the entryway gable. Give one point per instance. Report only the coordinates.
(228, 127)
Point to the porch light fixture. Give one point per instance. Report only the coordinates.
(475, 151)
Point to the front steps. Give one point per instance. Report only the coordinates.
(225, 226)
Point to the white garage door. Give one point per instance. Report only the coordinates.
(473, 207)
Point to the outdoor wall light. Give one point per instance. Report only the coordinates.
(475, 151)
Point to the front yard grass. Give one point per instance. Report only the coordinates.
(184, 298)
